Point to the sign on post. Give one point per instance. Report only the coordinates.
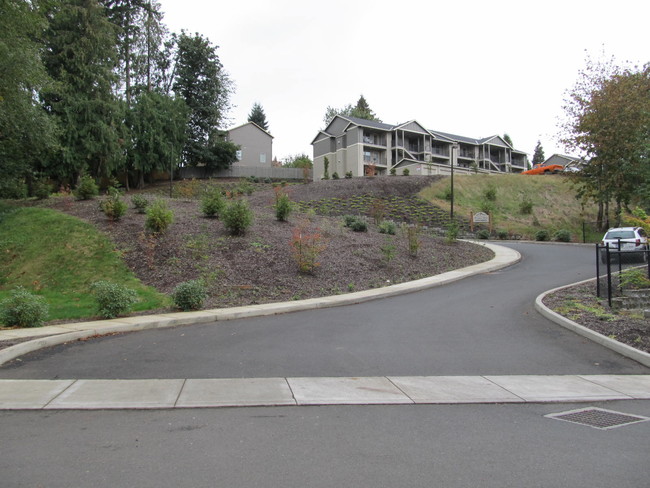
(480, 218)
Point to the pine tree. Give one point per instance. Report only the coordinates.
(205, 87)
(361, 111)
(538, 154)
(81, 57)
(257, 116)
(506, 137)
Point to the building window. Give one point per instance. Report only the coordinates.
(263, 158)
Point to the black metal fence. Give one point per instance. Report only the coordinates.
(610, 262)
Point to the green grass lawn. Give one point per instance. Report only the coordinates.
(553, 202)
(58, 256)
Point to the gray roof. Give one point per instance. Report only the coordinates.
(373, 124)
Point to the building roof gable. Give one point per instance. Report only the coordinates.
(253, 124)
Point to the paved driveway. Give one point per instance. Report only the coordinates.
(482, 325)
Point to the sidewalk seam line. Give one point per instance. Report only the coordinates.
(286, 380)
(180, 392)
(403, 392)
(60, 393)
(505, 389)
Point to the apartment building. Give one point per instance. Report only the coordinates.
(367, 147)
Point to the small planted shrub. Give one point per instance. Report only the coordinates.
(483, 234)
(388, 250)
(87, 188)
(387, 227)
(349, 219)
(42, 189)
(326, 171)
(112, 299)
(23, 309)
(13, 189)
(542, 235)
(635, 278)
(113, 206)
(335, 176)
(413, 240)
(282, 205)
(452, 232)
(140, 203)
(562, 235)
(393, 172)
(502, 234)
(306, 246)
(487, 206)
(447, 194)
(237, 217)
(348, 175)
(190, 295)
(212, 203)
(406, 172)
(159, 217)
(359, 225)
(377, 210)
(526, 206)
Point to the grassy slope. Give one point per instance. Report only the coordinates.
(554, 204)
(58, 257)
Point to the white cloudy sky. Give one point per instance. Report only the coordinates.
(474, 68)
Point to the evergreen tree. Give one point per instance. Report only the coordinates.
(26, 133)
(538, 154)
(81, 57)
(258, 116)
(506, 137)
(205, 87)
(361, 111)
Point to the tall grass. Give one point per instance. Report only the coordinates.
(554, 205)
(58, 256)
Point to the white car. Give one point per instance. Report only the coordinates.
(631, 239)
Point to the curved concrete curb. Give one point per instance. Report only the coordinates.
(623, 349)
(503, 257)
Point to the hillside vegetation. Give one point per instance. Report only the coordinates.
(519, 205)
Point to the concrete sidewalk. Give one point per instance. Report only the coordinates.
(391, 390)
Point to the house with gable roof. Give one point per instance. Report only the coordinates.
(364, 146)
(255, 145)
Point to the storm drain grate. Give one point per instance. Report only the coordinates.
(598, 418)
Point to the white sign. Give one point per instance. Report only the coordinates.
(481, 218)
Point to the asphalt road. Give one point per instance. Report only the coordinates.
(484, 325)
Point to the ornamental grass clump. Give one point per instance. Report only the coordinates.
(23, 309)
(190, 295)
(112, 299)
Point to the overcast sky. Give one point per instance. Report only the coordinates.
(473, 68)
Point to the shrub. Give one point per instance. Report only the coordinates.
(112, 299)
(406, 172)
(359, 225)
(237, 217)
(502, 234)
(13, 189)
(306, 246)
(190, 295)
(268, 180)
(87, 188)
(326, 166)
(526, 206)
(388, 250)
(42, 189)
(388, 227)
(634, 278)
(490, 193)
(282, 205)
(348, 175)
(23, 309)
(639, 213)
(393, 171)
(335, 176)
(447, 194)
(452, 232)
(113, 206)
(140, 203)
(562, 235)
(483, 234)
(159, 217)
(349, 219)
(413, 239)
(542, 235)
(377, 210)
(212, 203)
(487, 206)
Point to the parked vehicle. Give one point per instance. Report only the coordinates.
(540, 169)
(632, 240)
